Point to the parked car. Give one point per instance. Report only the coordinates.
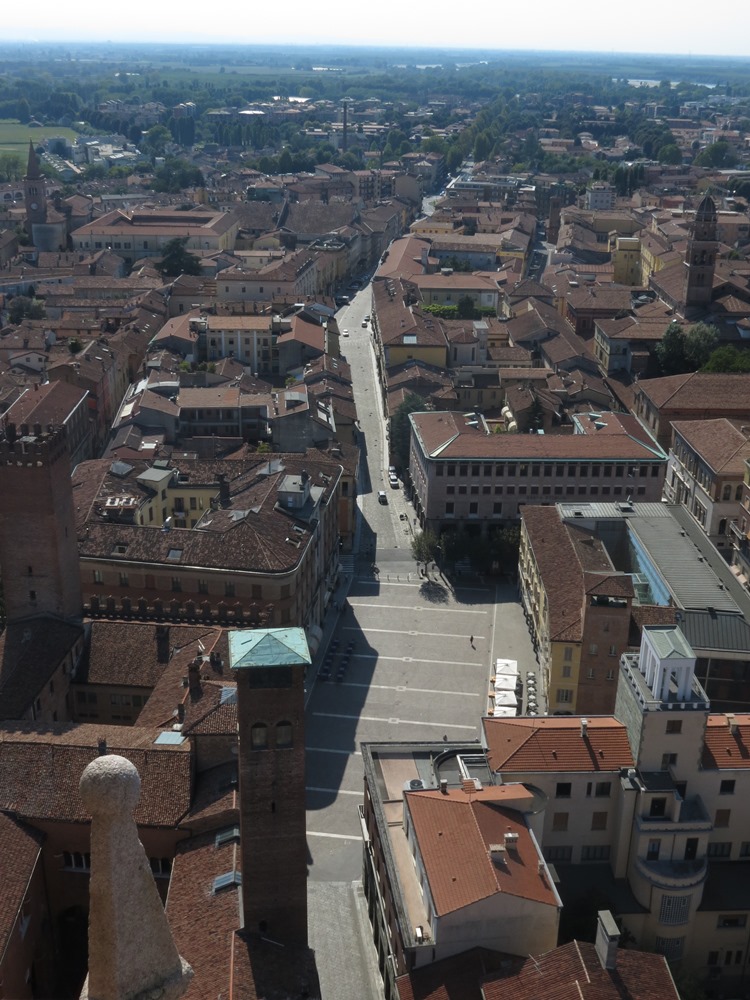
(382, 496)
(393, 480)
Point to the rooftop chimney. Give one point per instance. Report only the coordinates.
(444, 786)
(223, 489)
(607, 938)
(584, 728)
(732, 723)
(194, 675)
(181, 712)
(102, 747)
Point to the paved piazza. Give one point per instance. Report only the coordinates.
(412, 674)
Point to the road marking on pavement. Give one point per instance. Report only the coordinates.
(412, 659)
(398, 631)
(417, 607)
(333, 791)
(393, 721)
(347, 753)
(382, 581)
(333, 836)
(411, 690)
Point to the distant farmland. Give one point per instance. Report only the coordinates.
(14, 137)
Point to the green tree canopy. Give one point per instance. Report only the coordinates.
(465, 307)
(424, 546)
(670, 153)
(177, 260)
(700, 342)
(22, 307)
(728, 359)
(156, 139)
(670, 352)
(681, 352)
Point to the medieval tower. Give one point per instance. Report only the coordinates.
(700, 258)
(269, 665)
(38, 542)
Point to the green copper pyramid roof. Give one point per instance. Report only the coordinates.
(267, 647)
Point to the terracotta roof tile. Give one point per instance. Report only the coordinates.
(721, 444)
(556, 744)
(723, 748)
(56, 757)
(21, 849)
(698, 391)
(556, 560)
(447, 435)
(454, 831)
(573, 972)
(205, 925)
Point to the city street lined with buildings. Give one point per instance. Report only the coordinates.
(419, 651)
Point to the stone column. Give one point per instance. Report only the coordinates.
(132, 955)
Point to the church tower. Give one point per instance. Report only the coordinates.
(38, 541)
(35, 193)
(269, 665)
(700, 259)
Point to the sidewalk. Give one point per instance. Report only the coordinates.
(330, 623)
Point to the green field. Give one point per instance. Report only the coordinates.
(14, 137)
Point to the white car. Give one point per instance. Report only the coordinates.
(393, 480)
(344, 333)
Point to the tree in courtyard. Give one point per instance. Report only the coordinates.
(177, 260)
(670, 154)
(700, 343)
(22, 307)
(728, 359)
(156, 139)
(424, 547)
(465, 307)
(670, 351)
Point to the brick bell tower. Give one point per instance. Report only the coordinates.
(38, 541)
(700, 257)
(34, 192)
(269, 666)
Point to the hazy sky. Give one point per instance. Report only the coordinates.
(660, 26)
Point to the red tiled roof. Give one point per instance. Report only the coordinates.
(723, 748)
(21, 848)
(205, 926)
(574, 972)
(556, 744)
(454, 831)
(698, 391)
(447, 435)
(557, 562)
(719, 443)
(56, 757)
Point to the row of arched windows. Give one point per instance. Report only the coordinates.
(259, 735)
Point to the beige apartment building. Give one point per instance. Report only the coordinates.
(292, 279)
(653, 799)
(252, 541)
(706, 472)
(464, 475)
(143, 233)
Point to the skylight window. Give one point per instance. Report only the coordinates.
(174, 555)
